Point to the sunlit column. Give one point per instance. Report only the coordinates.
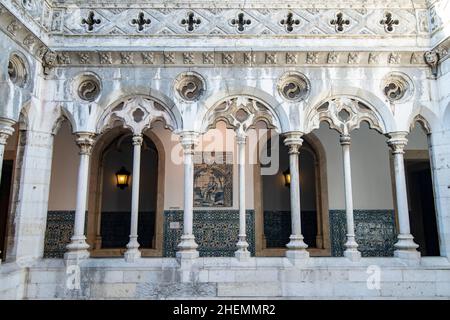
(133, 252)
(187, 247)
(242, 244)
(296, 246)
(77, 249)
(351, 250)
(405, 246)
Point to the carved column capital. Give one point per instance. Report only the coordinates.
(397, 141)
(294, 141)
(85, 140)
(188, 141)
(137, 139)
(345, 139)
(6, 129)
(241, 138)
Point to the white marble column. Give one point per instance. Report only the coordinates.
(6, 130)
(351, 250)
(296, 246)
(77, 249)
(242, 245)
(133, 253)
(187, 249)
(405, 246)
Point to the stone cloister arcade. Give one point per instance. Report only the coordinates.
(290, 169)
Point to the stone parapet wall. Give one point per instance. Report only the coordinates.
(160, 278)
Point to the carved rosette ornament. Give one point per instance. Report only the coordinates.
(89, 90)
(294, 86)
(17, 71)
(86, 87)
(396, 87)
(189, 86)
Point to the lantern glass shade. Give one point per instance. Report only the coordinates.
(287, 177)
(122, 177)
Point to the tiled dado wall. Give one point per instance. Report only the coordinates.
(375, 232)
(216, 231)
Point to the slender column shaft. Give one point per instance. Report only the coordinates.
(296, 246)
(77, 249)
(405, 246)
(188, 247)
(133, 252)
(350, 245)
(242, 244)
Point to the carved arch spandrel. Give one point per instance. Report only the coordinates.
(136, 113)
(344, 114)
(241, 113)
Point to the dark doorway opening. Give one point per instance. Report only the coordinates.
(5, 188)
(422, 211)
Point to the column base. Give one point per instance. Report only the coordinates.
(406, 248)
(77, 249)
(296, 243)
(352, 254)
(131, 255)
(242, 254)
(297, 254)
(187, 249)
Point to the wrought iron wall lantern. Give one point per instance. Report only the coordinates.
(123, 178)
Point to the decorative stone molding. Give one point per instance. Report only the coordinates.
(397, 87)
(247, 19)
(241, 113)
(189, 86)
(432, 60)
(136, 113)
(343, 114)
(244, 58)
(49, 61)
(294, 86)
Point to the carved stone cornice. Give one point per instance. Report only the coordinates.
(22, 35)
(242, 58)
